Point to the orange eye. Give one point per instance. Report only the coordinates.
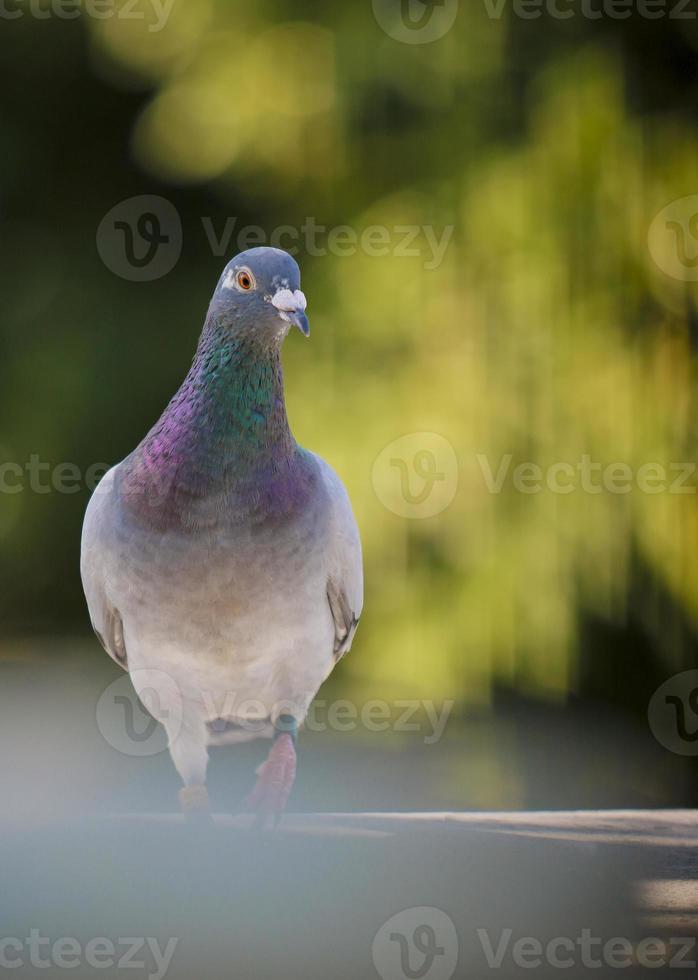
(245, 280)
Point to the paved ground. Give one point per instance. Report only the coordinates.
(313, 899)
(330, 895)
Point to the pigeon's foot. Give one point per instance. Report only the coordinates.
(275, 779)
(193, 801)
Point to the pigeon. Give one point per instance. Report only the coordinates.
(220, 560)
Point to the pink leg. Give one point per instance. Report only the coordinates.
(274, 782)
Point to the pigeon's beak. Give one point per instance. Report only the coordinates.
(291, 307)
(300, 320)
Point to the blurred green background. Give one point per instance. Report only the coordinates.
(550, 329)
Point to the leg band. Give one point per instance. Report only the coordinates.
(286, 725)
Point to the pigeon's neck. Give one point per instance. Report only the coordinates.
(227, 424)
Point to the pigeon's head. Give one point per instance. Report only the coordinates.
(259, 293)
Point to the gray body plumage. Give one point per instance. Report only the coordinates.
(236, 613)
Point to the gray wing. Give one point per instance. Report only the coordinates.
(111, 636)
(345, 568)
(106, 619)
(345, 619)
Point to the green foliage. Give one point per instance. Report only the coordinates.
(547, 331)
